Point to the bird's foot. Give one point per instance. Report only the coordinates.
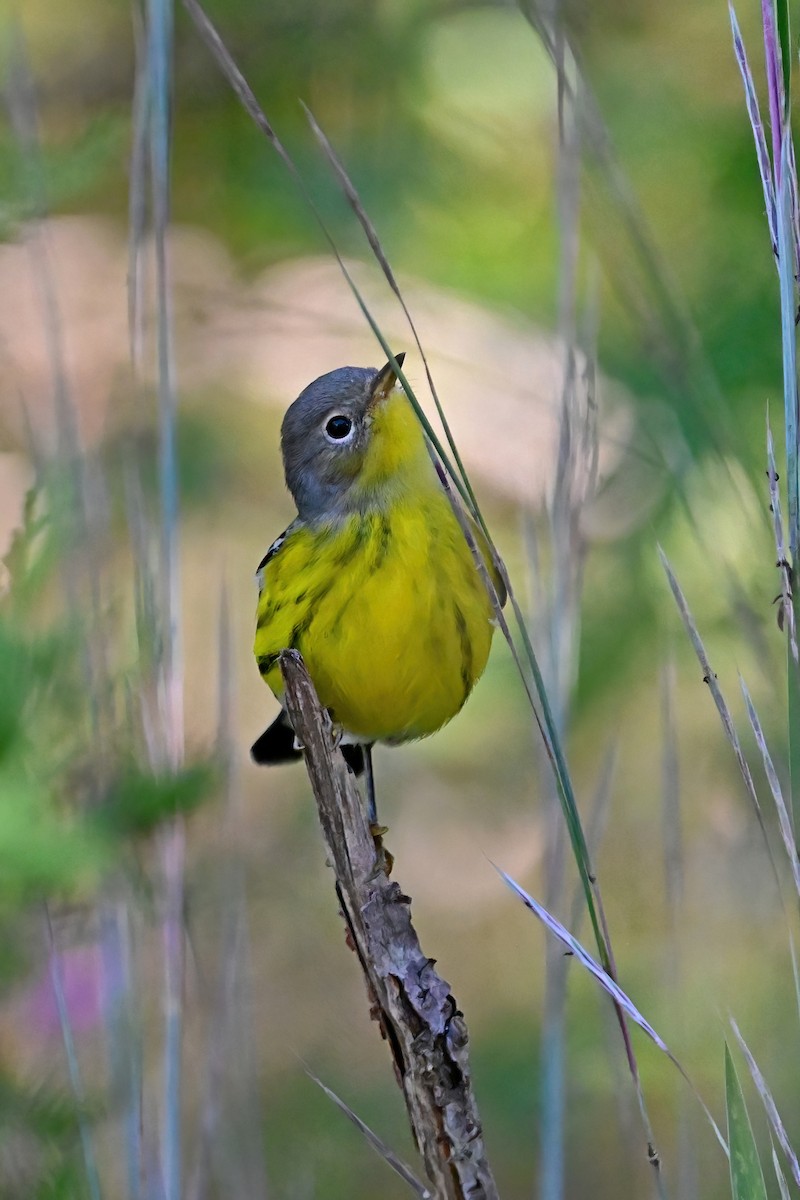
(384, 858)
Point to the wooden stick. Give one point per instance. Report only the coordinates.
(412, 1004)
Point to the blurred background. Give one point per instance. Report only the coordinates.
(446, 116)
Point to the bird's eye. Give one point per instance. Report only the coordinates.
(338, 428)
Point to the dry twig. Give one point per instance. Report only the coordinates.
(412, 1004)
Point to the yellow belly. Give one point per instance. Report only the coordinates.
(389, 613)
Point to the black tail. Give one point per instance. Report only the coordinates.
(276, 745)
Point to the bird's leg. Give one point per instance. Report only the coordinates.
(384, 860)
(369, 784)
(337, 731)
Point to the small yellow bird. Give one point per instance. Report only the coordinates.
(373, 582)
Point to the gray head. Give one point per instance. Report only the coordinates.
(325, 433)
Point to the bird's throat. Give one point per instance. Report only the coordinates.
(397, 457)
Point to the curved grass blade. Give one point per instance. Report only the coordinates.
(783, 1186)
(609, 985)
(378, 1145)
(784, 821)
(769, 1105)
(747, 1178)
(710, 679)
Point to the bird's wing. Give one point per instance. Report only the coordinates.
(287, 575)
(268, 557)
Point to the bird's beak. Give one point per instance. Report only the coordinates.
(387, 378)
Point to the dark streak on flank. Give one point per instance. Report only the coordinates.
(302, 626)
(466, 651)
(355, 543)
(336, 624)
(383, 538)
(266, 662)
(266, 615)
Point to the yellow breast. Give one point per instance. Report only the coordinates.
(386, 605)
(389, 613)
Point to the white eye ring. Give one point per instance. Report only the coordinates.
(339, 429)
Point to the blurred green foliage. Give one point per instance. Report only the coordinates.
(44, 843)
(39, 1131)
(71, 797)
(139, 801)
(48, 851)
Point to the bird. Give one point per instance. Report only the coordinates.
(374, 581)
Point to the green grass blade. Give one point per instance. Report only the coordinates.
(747, 1178)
